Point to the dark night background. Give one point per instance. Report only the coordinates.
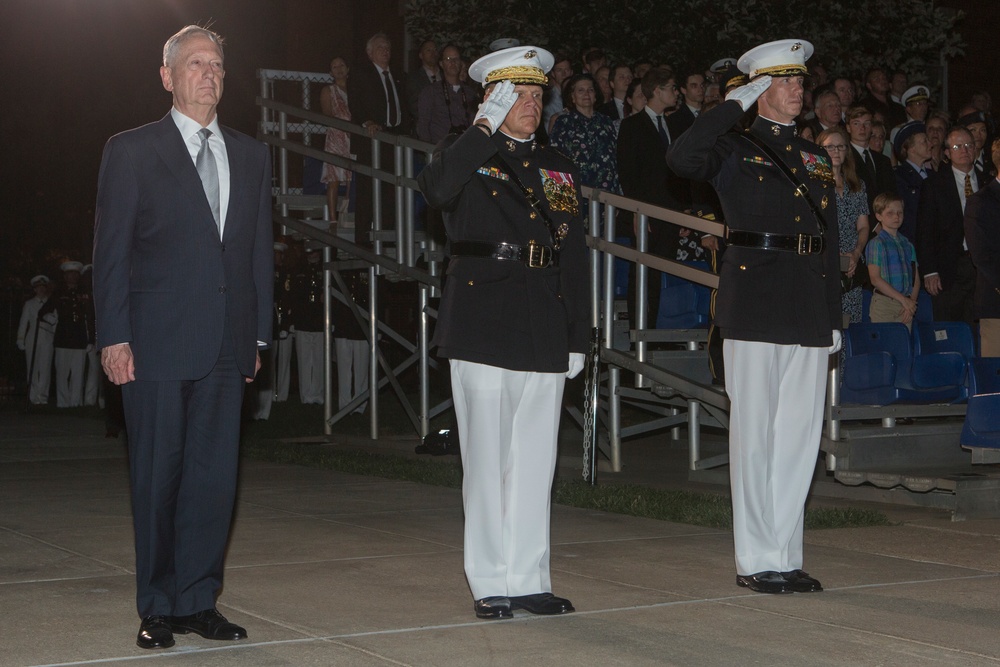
(76, 72)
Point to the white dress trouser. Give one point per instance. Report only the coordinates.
(508, 423)
(311, 372)
(70, 365)
(352, 363)
(41, 372)
(777, 394)
(283, 367)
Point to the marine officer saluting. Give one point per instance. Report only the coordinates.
(778, 304)
(513, 321)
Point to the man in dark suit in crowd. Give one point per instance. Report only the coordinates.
(377, 103)
(982, 233)
(619, 77)
(778, 305)
(427, 73)
(879, 101)
(183, 284)
(913, 150)
(693, 95)
(942, 254)
(874, 168)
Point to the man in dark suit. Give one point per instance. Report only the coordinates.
(643, 172)
(913, 150)
(942, 254)
(619, 78)
(878, 99)
(982, 233)
(375, 97)
(874, 168)
(693, 95)
(183, 285)
(427, 73)
(778, 305)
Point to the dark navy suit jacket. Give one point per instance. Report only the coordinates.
(166, 283)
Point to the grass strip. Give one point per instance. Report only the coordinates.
(711, 510)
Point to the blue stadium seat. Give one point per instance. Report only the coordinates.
(880, 368)
(683, 304)
(930, 337)
(982, 418)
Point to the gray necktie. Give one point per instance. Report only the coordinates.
(209, 173)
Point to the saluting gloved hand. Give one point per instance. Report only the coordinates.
(837, 341)
(748, 94)
(576, 361)
(494, 109)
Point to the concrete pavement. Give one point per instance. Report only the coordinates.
(326, 568)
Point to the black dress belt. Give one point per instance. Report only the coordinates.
(803, 244)
(533, 255)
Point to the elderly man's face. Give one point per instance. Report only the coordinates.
(381, 53)
(960, 148)
(828, 110)
(195, 76)
(523, 118)
(451, 62)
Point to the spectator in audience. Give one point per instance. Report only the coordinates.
(877, 143)
(898, 83)
(852, 215)
(827, 110)
(427, 73)
(634, 98)
(448, 105)
(713, 95)
(938, 124)
(615, 108)
(34, 338)
(561, 71)
(333, 101)
(593, 60)
(377, 103)
(949, 275)
(982, 220)
(974, 121)
(874, 168)
(74, 334)
(603, 86)
(982, 101)
(878, 100)
(844, 88)
(892, 266)
(915, 101)
(910, 172)
(640, 68)
(693, 96)
(587, 137)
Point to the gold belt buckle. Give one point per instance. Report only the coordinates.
(539, 256)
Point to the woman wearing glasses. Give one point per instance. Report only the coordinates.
(852, 215)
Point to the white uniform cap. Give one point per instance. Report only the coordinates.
(915, 94)
(786, 57)
(518, 64)
(40, 280)
(721, 64)
(71, 266)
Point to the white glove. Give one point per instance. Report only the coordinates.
(20, 345)
(494, 109)
(576, 361)
(748, 94)
(282, 335)
(837, 340)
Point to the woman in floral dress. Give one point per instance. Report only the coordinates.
(852, 211)
(333, 101)
(587, 137)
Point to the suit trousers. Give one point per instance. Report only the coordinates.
(183, 439)
(954, 302)
(352, 364)
(71, 366)
(508, 423)
(311, 368)
(777, 394)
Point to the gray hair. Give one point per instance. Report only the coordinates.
(173, 44)
(377, 37)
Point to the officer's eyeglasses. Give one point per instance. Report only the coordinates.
(958, 147)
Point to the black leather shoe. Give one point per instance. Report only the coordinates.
(210, 624)
(154, 632)
(801, 582)
(542, 603)
(764, 582)
(496, 606)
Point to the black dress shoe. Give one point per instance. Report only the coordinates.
(542, 603)
(154, 632)
(496, 606)
(210, 624)
(801, 582)
(764, 582)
